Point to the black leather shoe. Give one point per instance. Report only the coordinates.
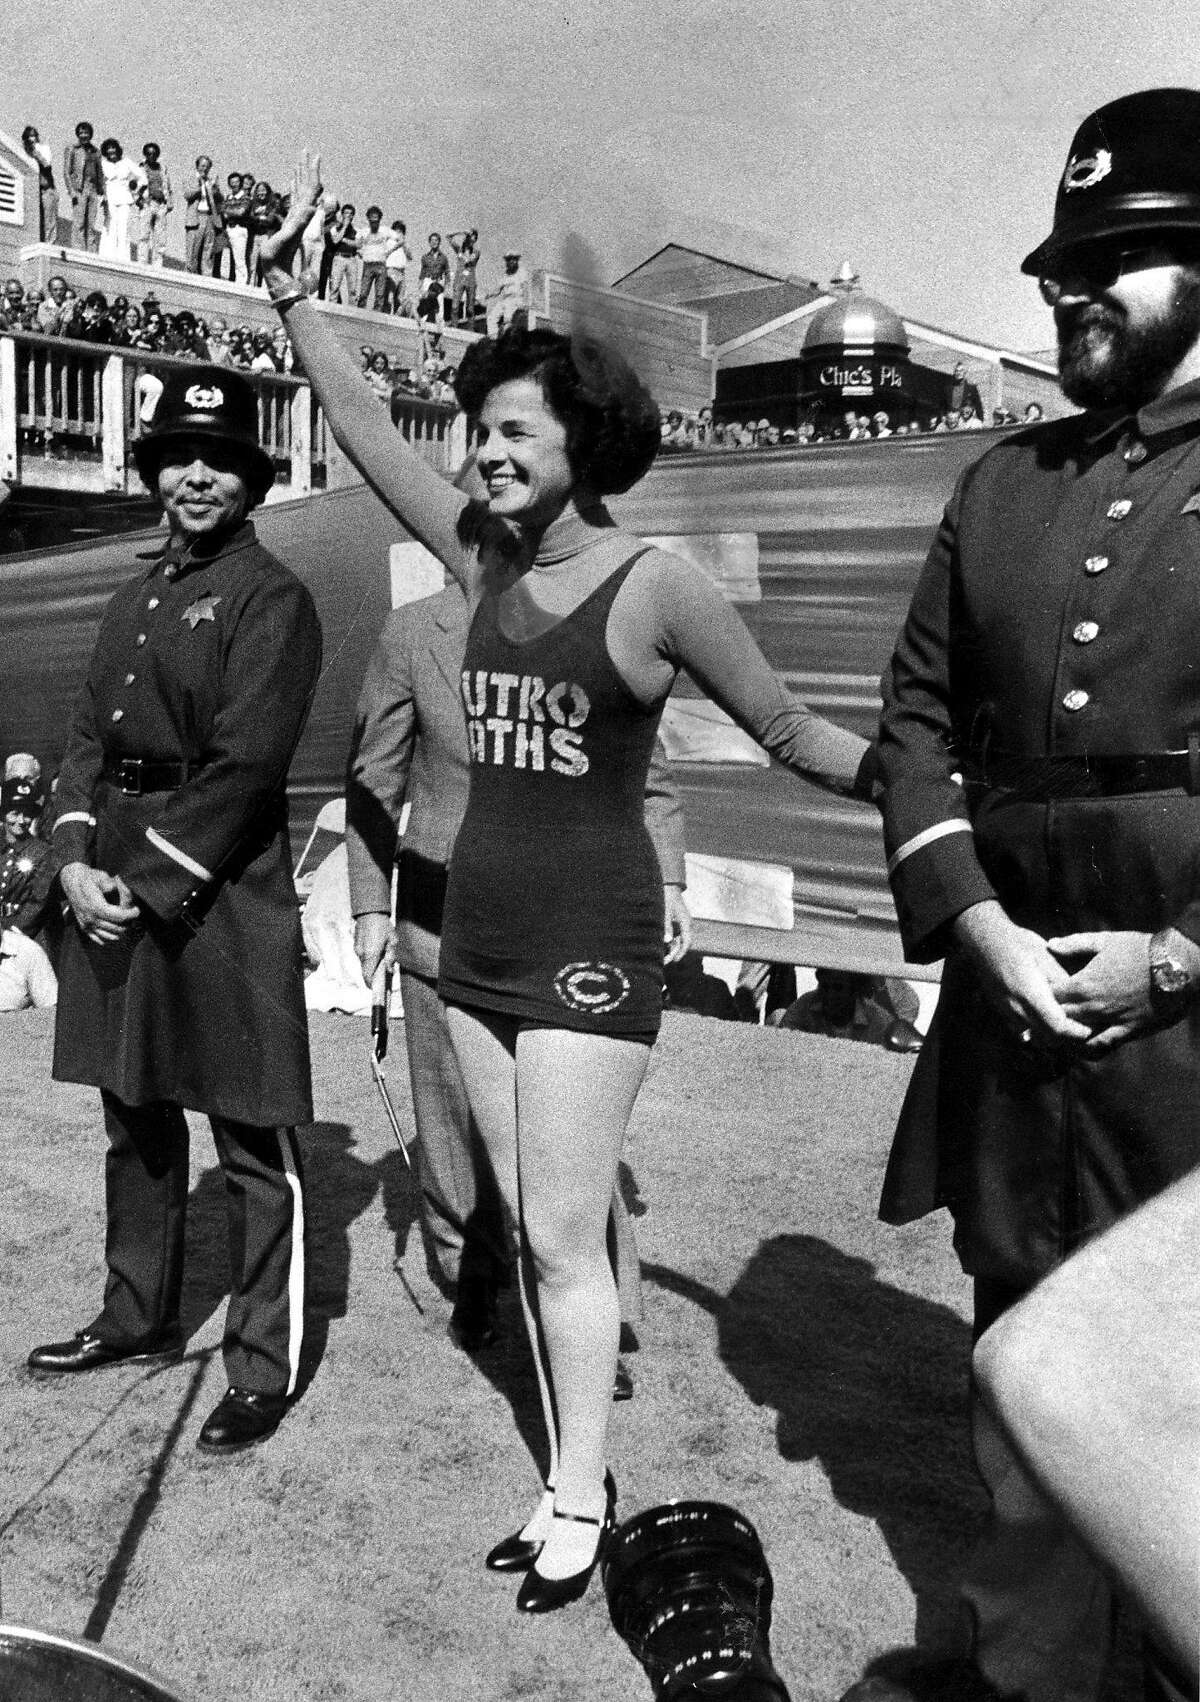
(240, 1418)
(623, 1382)
(543, 1595)
(86, 1352)
(902, 1036)
(473, 1320)
(517, 1553)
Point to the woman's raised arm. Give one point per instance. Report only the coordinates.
(417, 495)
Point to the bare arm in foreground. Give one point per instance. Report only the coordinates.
(1096, 1380)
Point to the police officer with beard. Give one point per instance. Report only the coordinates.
(181, 979)
(1040, 746)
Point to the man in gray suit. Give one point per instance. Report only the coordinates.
(410, 745)
(204, 218)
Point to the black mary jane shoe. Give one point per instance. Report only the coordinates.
(514, 1554)
(543, 1595)
(517, 1553)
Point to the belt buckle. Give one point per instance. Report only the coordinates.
(129, 776)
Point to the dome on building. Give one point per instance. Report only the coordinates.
(855, 322)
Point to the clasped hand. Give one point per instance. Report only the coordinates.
(1089, 990)
(1110, 990)
(101, 904)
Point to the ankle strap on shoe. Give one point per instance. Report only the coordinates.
(579, 1518)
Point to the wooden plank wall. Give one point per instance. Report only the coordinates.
(667, 345)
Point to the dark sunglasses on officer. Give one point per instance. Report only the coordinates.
(1095, 267)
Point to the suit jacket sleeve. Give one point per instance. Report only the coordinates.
(932, 862)
(272, 666)
(664, 817)
(381, 751)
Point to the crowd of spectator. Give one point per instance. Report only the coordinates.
(118, 322)
(120, 207)
(392, 381)
(58, 311)
(685, 432)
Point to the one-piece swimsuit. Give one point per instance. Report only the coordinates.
(554, 907)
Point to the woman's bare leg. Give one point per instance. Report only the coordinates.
(484, 1046)
(575, 1094)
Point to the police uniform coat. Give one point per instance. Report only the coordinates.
(1058, 615)
(26, 876)
(211, 662)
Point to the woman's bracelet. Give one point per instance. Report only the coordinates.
(288, 298)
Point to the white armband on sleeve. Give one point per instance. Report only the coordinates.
(161, 843)
(919, 841)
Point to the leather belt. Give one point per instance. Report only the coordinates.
(135, 775)
(1041, 779)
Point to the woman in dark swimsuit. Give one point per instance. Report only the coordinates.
(552, 940)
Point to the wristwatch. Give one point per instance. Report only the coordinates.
(1171, 982)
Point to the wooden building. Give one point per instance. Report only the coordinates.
(771, 337)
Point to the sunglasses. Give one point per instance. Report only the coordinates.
(1098, 268)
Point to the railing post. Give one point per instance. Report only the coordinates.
(8, 411)
(301, 475)
(112, 424)
(457, 442)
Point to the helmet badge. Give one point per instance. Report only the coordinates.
(203, 397)
(1086, 172)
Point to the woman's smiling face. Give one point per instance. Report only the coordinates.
(521, 454)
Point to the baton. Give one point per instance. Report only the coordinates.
(381, 999)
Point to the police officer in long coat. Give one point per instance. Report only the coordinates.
(1041, 754)
(181, 979)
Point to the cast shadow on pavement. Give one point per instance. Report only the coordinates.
(869, 1381)
(338, 1188)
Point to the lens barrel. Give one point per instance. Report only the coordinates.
(690, 1591)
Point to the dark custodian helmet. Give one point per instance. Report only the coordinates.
(1133, 168)
(207, 401)
(20, 794)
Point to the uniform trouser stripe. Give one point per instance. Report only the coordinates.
(264, 1322)
(295, 1283)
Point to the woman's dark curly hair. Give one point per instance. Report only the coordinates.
(611, 419)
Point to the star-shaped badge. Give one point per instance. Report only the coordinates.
(200, 610)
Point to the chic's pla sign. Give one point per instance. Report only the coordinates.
(861, 380)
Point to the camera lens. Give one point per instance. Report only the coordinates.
(690, 1591)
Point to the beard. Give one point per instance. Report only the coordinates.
(1105, 362)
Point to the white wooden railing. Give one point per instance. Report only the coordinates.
(69, 411)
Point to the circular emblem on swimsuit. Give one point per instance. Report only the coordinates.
(1083, 173)
(591, 987)
(207, 398)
